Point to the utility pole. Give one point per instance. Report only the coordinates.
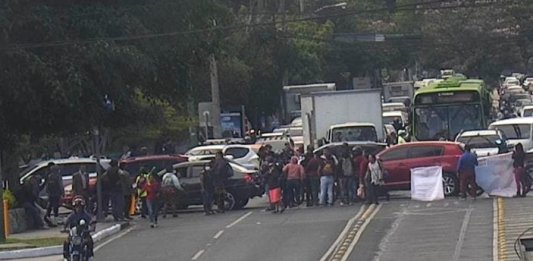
(99, 201)
(2, 223)
(302, 6)
(215, 97)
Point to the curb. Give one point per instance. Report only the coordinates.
(58, 250)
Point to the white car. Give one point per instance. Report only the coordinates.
(527, 81)
(515, 89)
(242, 154)
(509, 81)
(393, 106)
(526, 111)
(484, 142)
(390, 116)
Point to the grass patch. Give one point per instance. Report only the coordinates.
(31, 243)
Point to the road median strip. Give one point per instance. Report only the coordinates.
(343, 246)
(58, 249)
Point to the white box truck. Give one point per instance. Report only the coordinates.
(342, 116)
(398, 91)
(291, 97)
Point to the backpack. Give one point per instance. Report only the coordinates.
(347, 167)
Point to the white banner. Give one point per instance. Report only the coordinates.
(495, 175)
(426, 183)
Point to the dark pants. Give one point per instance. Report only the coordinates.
(313, 188)
(144, 207)
(90, 245)
(347, 186)
(220, 195)
(117, 204)
(106, 196)
(34, 213)
(127, 204)
(292, 192)
(153, 210)
(53, 205)
(467, 180)
(207, 197)
(372, 191)
(520, 181)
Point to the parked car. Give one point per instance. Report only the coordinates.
(484, 142)
(133, 165)
(526, 111)
(242, 154)
(244, 185)
(67, 168)
(400, 159)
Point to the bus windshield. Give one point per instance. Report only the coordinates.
(436, 122)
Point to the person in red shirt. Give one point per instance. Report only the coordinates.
(152, 188)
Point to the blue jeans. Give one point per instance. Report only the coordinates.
(326, 186)
(153, 210)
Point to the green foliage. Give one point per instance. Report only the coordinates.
(9, 198)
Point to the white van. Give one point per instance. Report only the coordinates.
(517, 130)
(526, 111)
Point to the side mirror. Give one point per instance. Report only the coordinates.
(230, 157)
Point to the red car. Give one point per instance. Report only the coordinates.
(400, 159)
(133, 165)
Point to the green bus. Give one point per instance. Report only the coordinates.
(442, 110)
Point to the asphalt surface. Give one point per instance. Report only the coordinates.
(249, 234)
(449, 229)
(401, 229)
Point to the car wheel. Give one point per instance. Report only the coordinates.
(240, 203)
(450, 184)
(229, 200)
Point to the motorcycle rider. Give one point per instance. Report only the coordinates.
(73, 220)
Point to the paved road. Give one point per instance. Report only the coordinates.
(445, 230)
(401, 229)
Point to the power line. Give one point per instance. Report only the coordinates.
(418, 6)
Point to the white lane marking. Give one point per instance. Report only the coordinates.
(428, 205)
(198, 254)
(239, 219)
(343, 233)
(446, 204)
(495, 230)
(462, 235)
(218, 234)
(113, 238)
(360, 232)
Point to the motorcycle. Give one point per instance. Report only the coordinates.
(78, 245)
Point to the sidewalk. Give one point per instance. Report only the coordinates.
(45, 242)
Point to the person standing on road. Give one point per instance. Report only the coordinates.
(55, 191)
(374, 179)
(170, 188)
(127, 189)
(141, 193)
(115, 191)
(466, 169)
(152, 188)
(347, 178)
(222, 171)
(273, 179)
(80, 183)
(312, 175)
(519, 157)
(27, 197)
(208, 190)
(363, 169)
(295, 175)
(327, 177)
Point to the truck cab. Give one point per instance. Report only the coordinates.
(350, 132)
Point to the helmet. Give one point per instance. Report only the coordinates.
(78, 201)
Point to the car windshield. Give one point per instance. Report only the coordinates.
(515, 131)
(354, 133)
(390, 119)
(433, 123)
(200, 152)
(485, 141)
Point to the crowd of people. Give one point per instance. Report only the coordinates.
(293, 177)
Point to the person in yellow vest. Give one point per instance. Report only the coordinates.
(401, 137)
(141, 192)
